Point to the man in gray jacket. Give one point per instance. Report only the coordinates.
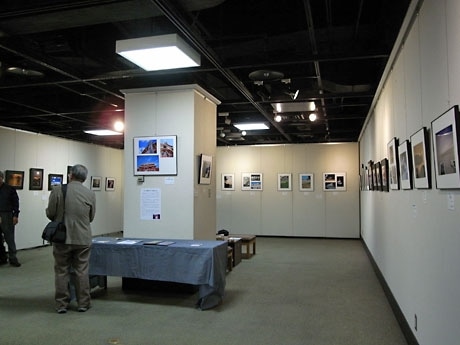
(80, 208)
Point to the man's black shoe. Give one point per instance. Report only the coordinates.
(15, 264)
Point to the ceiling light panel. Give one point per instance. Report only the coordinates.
(158, 52)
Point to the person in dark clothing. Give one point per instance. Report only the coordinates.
(9, 213)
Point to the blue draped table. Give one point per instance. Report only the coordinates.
(201, 263)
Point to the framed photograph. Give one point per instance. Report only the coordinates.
(54, 180)
(306, 182)
(405, 165)
(109, 184)
(251, 181)
(370, 174)
(155, 155)
(421, 159)
(393, 163)
(284, 182)
(35, 179)
(334, 182)
(205, 169)
(228, 181)
(377, 177)
(444, 133)
(384, 175)
(96, 182)
(15, 178)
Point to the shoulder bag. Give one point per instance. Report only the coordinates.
(56, 231)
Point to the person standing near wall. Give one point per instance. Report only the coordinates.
(9, 213)
(78, 212)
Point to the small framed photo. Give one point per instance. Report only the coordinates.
(35, 179)
(15, 178)
(393, 163)
(444, 133)
(109, 184)
(228, 181)
(405, 165)
(334, 182)
(384, 175)
(306, 183)
(205, 169)
(420, 159)
(370, 175)
(54, 180)
(284, 182)
(96, 182)
(251, 181)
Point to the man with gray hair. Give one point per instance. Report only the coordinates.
(9, 213)
(78, 212)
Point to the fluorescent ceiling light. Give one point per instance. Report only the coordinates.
(250, 126)
(103, 132)
(158, 52)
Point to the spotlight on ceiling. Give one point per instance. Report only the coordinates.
(312, 117)
(294, 95)
(158, 52)
(277, 118)
(243, 133)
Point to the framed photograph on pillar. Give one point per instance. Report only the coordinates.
(155, 155)
(420, 159)
(205, 169)
(96, 182)
(444, 133)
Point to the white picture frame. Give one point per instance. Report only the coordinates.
(306, 182)
(285, 182)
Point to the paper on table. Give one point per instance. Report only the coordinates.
(127, 242)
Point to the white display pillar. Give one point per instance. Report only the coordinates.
(187, 209)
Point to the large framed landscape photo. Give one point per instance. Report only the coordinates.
(155, 155)
(444, 133)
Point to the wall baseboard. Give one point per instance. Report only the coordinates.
(405, 327)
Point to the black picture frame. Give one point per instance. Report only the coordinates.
(384, 174)
(444, 133)
(405, 165)
(15, 178)
(393, 163)
(421, 159)
(35, 179)
(55, 180)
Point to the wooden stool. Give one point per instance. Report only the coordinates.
(247, 241)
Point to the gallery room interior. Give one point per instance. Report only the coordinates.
(354, 211)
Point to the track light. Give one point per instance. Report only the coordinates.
(277, 118)
(312, 117)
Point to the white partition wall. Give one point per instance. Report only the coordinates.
(24, 150)
(187, 208)
(294, 212)
(414, 235)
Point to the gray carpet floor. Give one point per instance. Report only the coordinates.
(292, 292)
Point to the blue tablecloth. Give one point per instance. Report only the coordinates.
(201, 263)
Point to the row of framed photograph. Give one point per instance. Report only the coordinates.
(254, 182)
(408, 165)
(15, 178)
